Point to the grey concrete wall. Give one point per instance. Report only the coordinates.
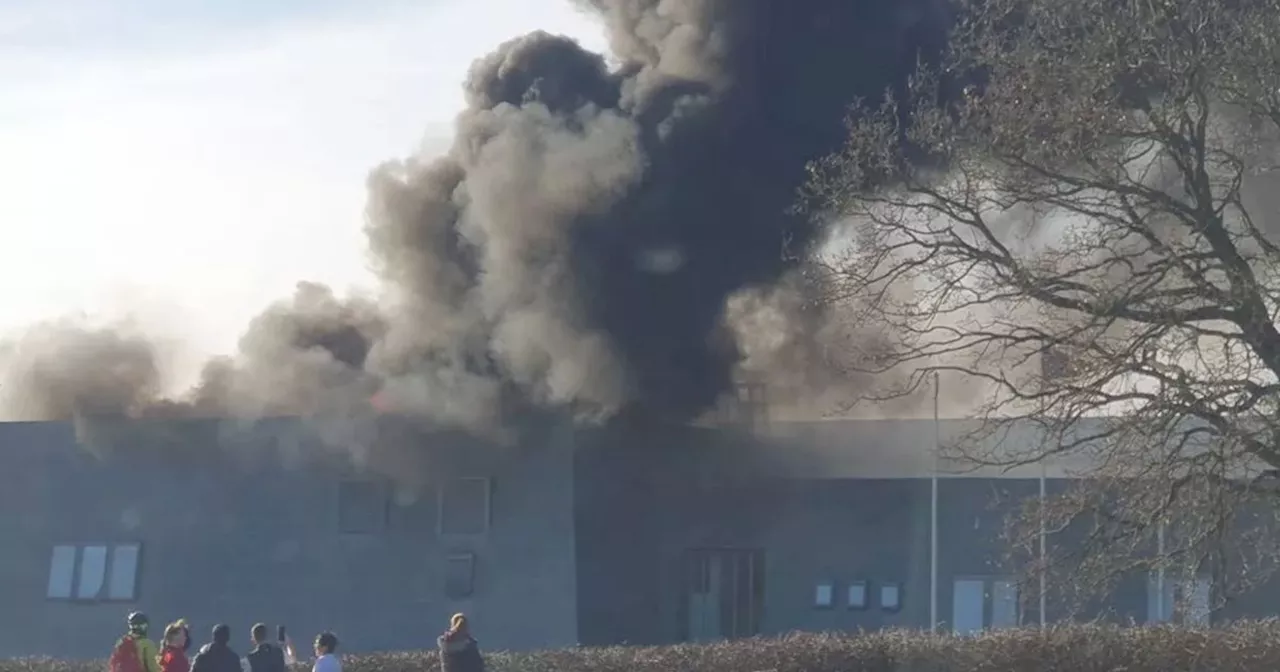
(875, 531)
(693, 489)
(249, 533)
(589, 532)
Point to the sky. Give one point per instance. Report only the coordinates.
(183, 163)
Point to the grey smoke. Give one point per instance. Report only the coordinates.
(576, 246)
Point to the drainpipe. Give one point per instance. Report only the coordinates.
(1044, 567)
(933, 511)
(1160, 573)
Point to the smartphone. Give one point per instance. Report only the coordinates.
(280, 633)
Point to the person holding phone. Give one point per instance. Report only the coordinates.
(265, 656)
(286, 645)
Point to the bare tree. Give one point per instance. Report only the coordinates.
(1072, 209)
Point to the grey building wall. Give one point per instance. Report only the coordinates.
(660, 494)
(591, 540)
(249, 531)
(840, 532)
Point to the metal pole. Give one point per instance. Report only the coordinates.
(1160, 573)
(933, 511)
(1044, 567)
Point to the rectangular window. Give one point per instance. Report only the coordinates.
(464, 506)
(979, 603)
(857, 595)
(460, 574)
(967, 600)
(123, 582)
(824, 595)
(890, 596)
(1186, 602)
(62, 572)
(363, 507)
(723, 593)
(1160, 598)
(1004, 604)
(1197, 596)
(94, 572)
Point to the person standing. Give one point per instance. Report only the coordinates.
(326, 653)
(265, 656)
(173, 651)
(217, 656)
(459, 651)
(134, 652)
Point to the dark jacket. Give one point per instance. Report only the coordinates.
(459, 653)
(266, 657)
(216, 658)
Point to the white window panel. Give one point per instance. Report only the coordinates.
(857, 595)
(968, 598)
(124, 572)
(62, 573)
(93, 572)
(824, 595)
(890, 597)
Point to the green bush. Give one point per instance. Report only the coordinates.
(1244, 647)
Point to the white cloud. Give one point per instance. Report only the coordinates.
(208, 183)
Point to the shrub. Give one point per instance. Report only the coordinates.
(1243, 647)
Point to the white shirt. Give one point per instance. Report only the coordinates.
(327, 663)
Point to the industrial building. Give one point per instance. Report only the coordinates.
(628, 533)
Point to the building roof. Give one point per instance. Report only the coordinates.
(837, 448)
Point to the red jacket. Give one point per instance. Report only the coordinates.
(174, 659)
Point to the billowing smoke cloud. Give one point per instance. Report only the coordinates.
(576, 246)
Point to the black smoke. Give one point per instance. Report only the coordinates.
(577, 245)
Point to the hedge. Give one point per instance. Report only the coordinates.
(1243, 647)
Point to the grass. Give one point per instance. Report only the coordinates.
(1242, 647)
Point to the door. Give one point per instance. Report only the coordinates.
(967, 601)
(724, 593)
(979, 603)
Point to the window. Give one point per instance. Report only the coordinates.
(94, 572)
(1004, 604)
(857, 594)
(362, 507)
(967, 600)
(464, 506)
(1160, 610)
(124, 573)
(62, 572)
(979, 603)
(1196, 598)
(724, 593)
(459, 576)
(890, 596)
(824, 595)
(1185, 601)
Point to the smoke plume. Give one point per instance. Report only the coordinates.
(575, 248)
